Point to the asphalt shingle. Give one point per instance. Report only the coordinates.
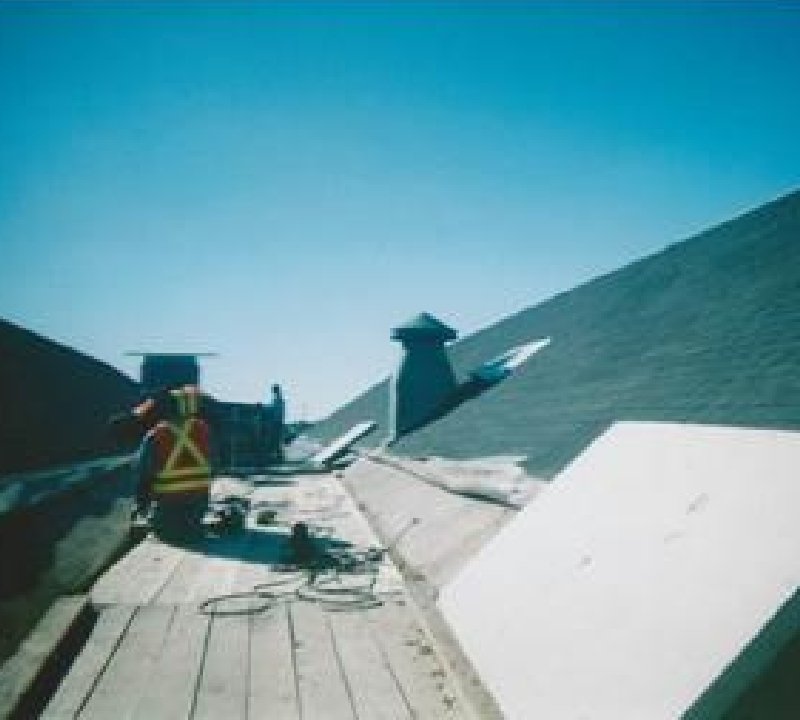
(706, 331)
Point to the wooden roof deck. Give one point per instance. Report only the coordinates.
(154, 654)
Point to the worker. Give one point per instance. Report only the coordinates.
(129, 428)
(175, 464)
(274, 421)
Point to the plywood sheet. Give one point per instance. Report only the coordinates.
(627, 587)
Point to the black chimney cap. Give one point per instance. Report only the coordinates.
(424, 326)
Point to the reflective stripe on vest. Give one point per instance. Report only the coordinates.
(182, 479)
(181, 486)
(188, 401)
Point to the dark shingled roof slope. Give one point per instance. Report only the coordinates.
(706, 331)
(54, 402)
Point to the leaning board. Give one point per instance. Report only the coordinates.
(342, 444)
(653, 564)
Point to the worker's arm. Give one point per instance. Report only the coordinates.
(126, 429)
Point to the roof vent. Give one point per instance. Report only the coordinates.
(424, 381)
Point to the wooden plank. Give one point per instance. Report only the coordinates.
(273, 686)
(170, 689)
(374, 688)
(222, 690)
(264, 549)
(138, 576)
(191, 577)
(214, 578)
(227, 555)
(251, 573)
(88, 667)
(207, 570)
(246, 569)
(317, 500)
(416, 666)
(177, 587)
(323, 690)
(123, 683)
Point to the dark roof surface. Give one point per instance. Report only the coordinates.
(54, 402)
(706, 331)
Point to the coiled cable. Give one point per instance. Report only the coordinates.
(328, 582)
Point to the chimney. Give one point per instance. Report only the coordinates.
(424, 381)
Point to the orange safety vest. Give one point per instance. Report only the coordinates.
(182, 451)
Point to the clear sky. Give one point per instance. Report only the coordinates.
(283, 182)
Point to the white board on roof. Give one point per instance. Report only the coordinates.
(628, 586)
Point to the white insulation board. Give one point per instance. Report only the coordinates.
(624, 589)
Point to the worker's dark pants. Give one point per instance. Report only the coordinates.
(177, 518)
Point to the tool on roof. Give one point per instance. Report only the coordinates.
(343, 444)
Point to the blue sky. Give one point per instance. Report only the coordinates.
(283, 182)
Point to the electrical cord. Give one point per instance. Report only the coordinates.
(322, 582)
(320, 579)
